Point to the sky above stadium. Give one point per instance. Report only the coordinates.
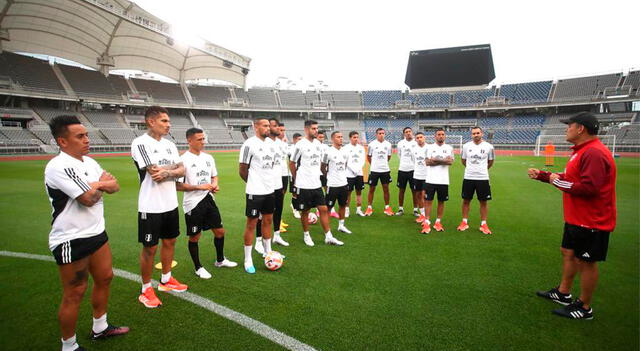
(360, 45)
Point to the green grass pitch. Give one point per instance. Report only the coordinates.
(387, 288)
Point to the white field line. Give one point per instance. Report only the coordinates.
(253, 325)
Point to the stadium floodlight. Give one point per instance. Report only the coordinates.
(563, 147)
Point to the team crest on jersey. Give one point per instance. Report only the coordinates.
(147, 238)
(208, 164)
(169, 151)
(193, 165)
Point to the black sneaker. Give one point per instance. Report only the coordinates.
(400, 212)
(575, 310)
(556, 296)
(109, 332)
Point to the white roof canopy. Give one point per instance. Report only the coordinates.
(112, 35)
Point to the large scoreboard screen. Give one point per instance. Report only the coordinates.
(450, 67)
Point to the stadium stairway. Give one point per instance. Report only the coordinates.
(65, 83)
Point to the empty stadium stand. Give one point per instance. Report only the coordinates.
(466, 98)
(292, 99)
(346, 99)
(30, 73)
(430, 100)
(106, 119)
(159, 91)
(584, 88)
(89, 83)
(209, 95)
(262, 98)
(525, 93)
(380, 99)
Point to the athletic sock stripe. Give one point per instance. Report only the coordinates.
(68, 251)
(73, 176)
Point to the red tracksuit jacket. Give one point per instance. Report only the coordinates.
(589, 187)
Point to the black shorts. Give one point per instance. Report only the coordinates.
(356, 183)
(432, 189)
(405, 178)
(285, 183)
(155, 226)
(481, 187)
(203, 217)
(76, 249)
(338, 194)
(309, 198)
(260, 204)
(385, 178)
(418, 184)
(589, 245)
(323, 180)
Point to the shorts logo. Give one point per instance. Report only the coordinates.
(194, 229)
(147, 238)
(586, 254)
(254, 212)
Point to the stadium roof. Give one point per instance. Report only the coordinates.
(112, 35)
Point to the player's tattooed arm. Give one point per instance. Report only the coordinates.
(108, 183)
(160, 174)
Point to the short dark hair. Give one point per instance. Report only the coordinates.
(476, 127)
(281, 124)
(309, 123)
(405, 128)
(59, 124)
(257, 119)
(379, 129)
(352, 133)
(192, 131)
(322, 132)
(419, 133)
(441, 130)
(335, 132)
(154, 111)
(297, 135)
(274, 119)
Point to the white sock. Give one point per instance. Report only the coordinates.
(428, 221)
(306, 234)
(146, 286)
(415, 209)
(464, 220)
(328, 234)
(266, 243)
(100, 324)
(400, 208)
(422, 211)
(437, 220)
(276, 233)
(165, 277)
(483, 222)
(369, 206)
(386, 206)
(248, 261)
(359, 208)
(341, 222)
(69, 344)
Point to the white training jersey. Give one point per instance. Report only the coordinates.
(199, 169)
(405, 154)
(307, 156)
(477, 156)
(439, 174)
(336, 160)
(155, 197)
(419, 156)
(66, 178)
(276, 171)
(379, 152)
(356, 159)
(259, 155)
(284, 164)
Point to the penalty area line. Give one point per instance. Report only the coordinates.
(249, 323)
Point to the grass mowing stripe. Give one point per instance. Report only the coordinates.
(247, 322)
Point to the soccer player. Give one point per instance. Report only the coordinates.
(295, 139)
(307, 189)
(78, 241)
(355, 163)
(334, 165)
(378, 156)
(477, 157)
(419, 156)
(200, 209)
(256, 169)
(588, 187)
(284, 168)
(322, 136)
(405, 170)
(439, 159)
(159, 165)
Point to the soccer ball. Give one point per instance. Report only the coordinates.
(313, 218)
(273, 260)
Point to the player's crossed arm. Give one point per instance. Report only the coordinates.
(163, 173)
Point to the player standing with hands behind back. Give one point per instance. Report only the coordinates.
(588, 188)
(477, 157)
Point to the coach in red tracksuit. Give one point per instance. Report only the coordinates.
(588, 187)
